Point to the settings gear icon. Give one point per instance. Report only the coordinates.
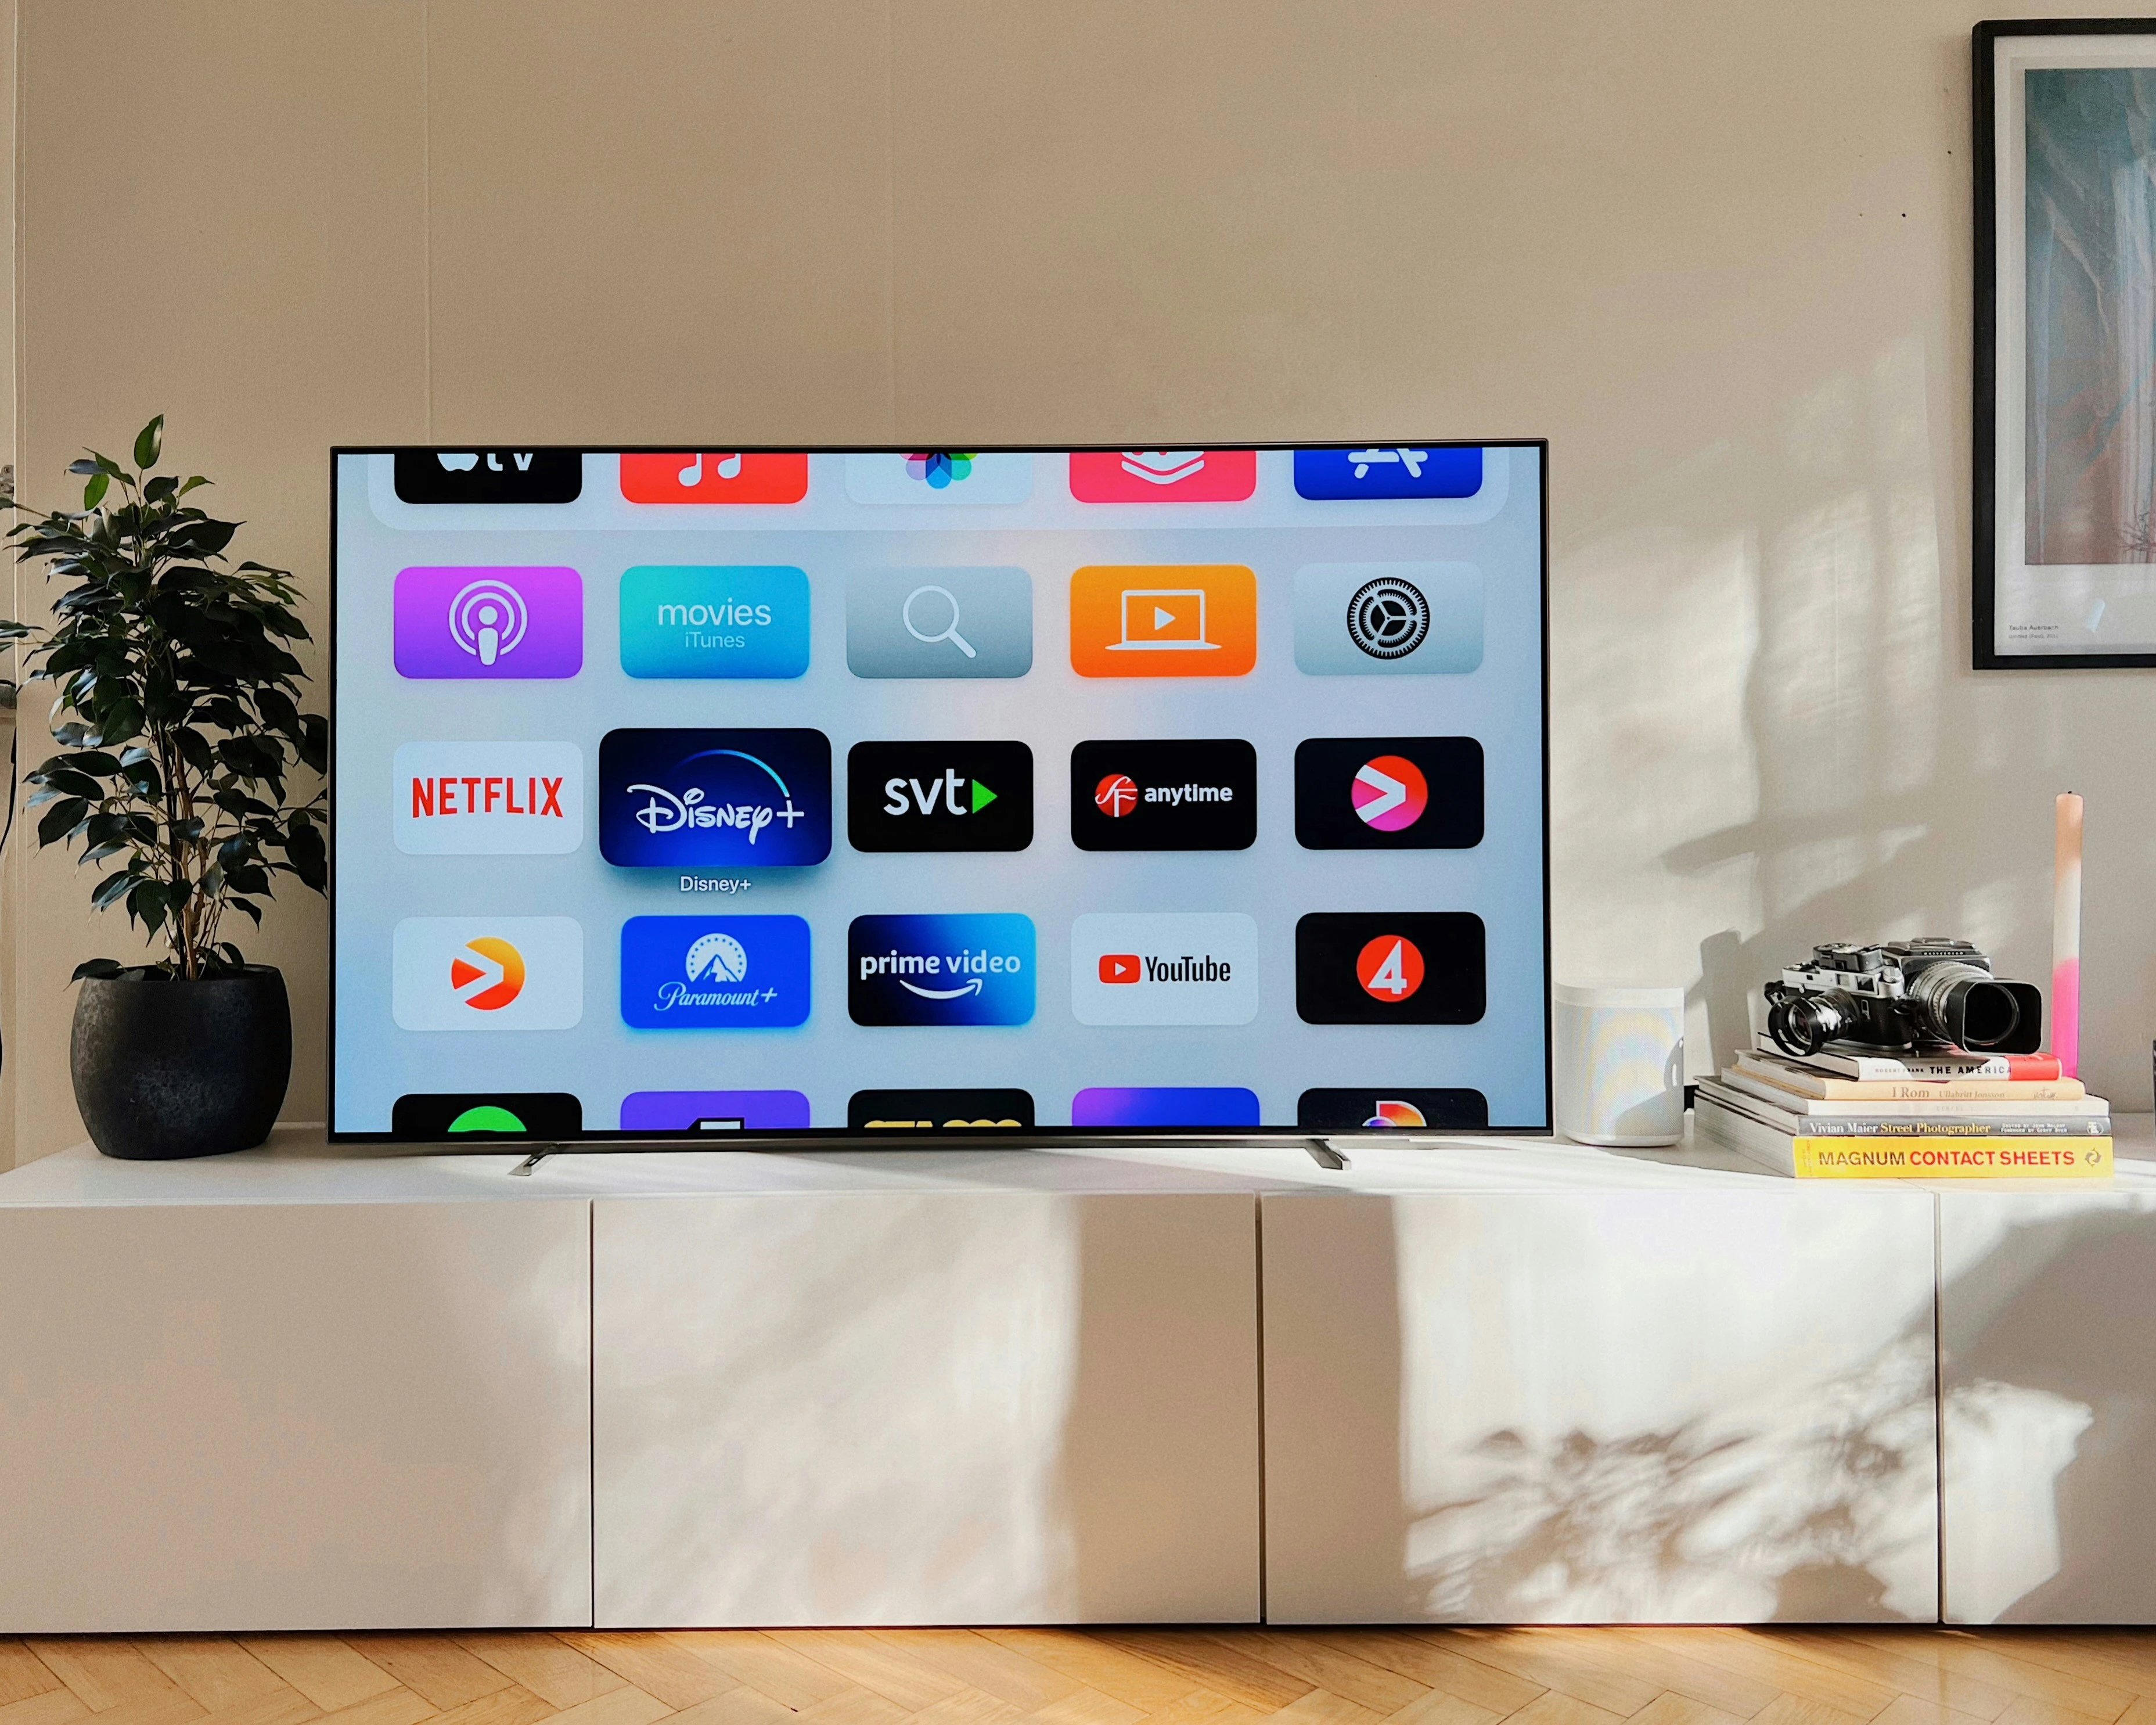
(1388, 617)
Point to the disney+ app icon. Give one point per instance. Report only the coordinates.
(730, 800)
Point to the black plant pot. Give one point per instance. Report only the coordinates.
(167, 1068)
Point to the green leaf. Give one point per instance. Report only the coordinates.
(93, 493)
(148, 442)
(100, 967)
(60, 820)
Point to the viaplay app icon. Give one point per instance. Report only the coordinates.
(965, 969)
(734, 799)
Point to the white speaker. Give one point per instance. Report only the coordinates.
(1619, 1065)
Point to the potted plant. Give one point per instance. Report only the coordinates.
(178, 718)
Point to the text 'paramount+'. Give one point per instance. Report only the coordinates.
(683, 798)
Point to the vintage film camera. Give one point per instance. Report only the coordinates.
(1902, 994)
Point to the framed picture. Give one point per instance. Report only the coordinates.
(2065, 522)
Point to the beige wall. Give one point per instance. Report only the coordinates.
(1716, 252)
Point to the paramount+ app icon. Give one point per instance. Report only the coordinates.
(1164, 794)
(939, 796)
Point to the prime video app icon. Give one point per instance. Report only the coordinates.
(734, 799)
(963, 970)
(504, 621)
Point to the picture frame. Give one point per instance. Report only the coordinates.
(2064, 508)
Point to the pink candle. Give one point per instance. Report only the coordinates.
(2067, 936)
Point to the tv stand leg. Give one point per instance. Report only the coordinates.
(1325, 1156)
(531, 1161)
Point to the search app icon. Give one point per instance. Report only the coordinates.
(939, 620)
(949, 632)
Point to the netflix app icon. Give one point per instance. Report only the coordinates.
(488, 799)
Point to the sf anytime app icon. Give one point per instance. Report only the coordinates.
(1164, 795)
(1389, 794)
(939, 796)
(1376, 968)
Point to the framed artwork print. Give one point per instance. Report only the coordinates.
(2065, 522)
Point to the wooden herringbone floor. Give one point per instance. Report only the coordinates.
(1534, 1677)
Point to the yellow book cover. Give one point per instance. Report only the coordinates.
(2016, 1159)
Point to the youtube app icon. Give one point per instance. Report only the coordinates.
(1389, 794)
(1164, 968)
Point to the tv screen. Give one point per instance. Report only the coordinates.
(720, 795)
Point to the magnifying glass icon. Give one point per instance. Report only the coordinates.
(949, 632)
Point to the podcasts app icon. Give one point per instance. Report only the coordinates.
(488, 622)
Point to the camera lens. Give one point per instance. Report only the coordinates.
(1804, 1024)
(1972, 1008)
(1988, 1015)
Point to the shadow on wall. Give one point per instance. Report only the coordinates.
(2049, 1382)
(1768, 637)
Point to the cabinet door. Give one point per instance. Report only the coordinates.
(272, 1416)
(1629, 1406)
(2047, 1380)
(894, 1408)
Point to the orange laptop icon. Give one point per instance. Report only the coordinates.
(1163, 620)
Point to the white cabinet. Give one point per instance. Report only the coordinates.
(2047, 1367)
(925, 1406)
(264, 1416)
(1712, 1404)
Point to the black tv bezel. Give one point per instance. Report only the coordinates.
(816, 1138)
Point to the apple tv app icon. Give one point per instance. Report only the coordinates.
(489, 475)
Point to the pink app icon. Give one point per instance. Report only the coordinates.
(1389, 793)
(489, 621)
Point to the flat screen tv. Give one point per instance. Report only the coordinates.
(783, 795)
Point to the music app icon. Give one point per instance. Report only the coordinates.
(718, 476)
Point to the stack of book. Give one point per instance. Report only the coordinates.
(1943, 1114)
